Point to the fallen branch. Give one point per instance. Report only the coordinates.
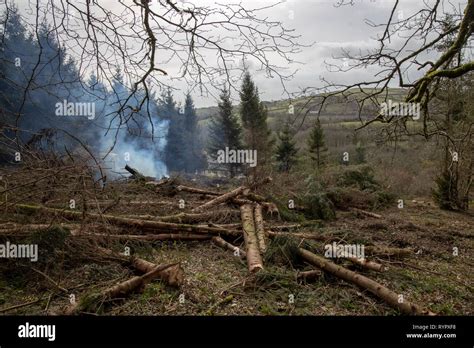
(136, 174)
(220, 199)
(144, 225)
(366, 213)
(374, 287)
(173, 276)
(119, 290)
(374, 266)
(149, 237)
(226, 245)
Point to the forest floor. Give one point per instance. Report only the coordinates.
(436, 275)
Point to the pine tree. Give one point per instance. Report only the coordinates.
(254, 119)
(194, 157)
(225, 131)
(316, 144)
(175, 146)
(286, 151)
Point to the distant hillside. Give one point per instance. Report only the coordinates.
(336, 109)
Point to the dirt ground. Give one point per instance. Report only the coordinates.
(436, 275)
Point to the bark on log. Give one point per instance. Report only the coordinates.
(136, 174)
(388, 251)
(173, 276)
(144, 225)
(374, 266)
(197, 190)
(226, 245)
(366, 213)
(220, 199)
(149, 237)
(260, 229)
(377, 289)
(254, 259)
(124, 288)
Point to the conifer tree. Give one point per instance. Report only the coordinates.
(316, 144)
(254, 119)
(225, 131)
(286, 151)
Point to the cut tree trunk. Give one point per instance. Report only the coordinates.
(226, 245)
(366, 213)
(374, 266)
(197, 190)
(123, 289)
(377, 289)
(136, 174)
(254, 259)
(144, 225)
(173, 276)
(259, 228)
(149, 237)
(220, 199)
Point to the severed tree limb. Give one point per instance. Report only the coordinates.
(259, 228)
(366, 213)
(144, 225)
(197, 190)
(226, 245)
(254, 259)
(388, 251)
(122, 289)
(374, 266)
(149, 237)
(173, 276)
(220, 199)
(374, 287)
(136, 174)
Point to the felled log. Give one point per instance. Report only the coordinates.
(173, 276)
(220, 199)
(197, 190)
(135, 173)
(150, 237)
(254, 259)
(226, 245)
(388, 251)
(120, 290)
(374, 287)
(374, 266)
(259, 228)
(366, 213)
(144, 225)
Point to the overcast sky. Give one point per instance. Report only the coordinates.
(321, 22)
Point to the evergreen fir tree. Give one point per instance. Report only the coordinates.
(286, 151)
(194, 157)
(254, 119)
(225, 131)
(175, 148)
(316, 144)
